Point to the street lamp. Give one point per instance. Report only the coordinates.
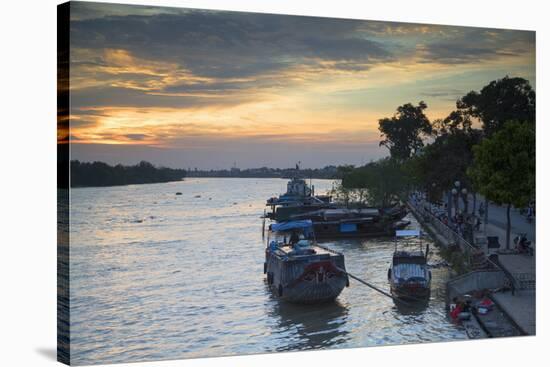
(465, 198)
(455, 197)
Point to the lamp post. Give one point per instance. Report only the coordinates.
(455, 199)
(465, 198)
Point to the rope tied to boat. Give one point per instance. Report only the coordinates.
(373, 287)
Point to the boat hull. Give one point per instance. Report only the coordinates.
(411, 293)
(306, 281)
(344, 230)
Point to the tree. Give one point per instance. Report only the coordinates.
(504, 167)
(446, 160)
(345, 193)
(101, 174)
(457, 122)
(403, 132)
(500, 101)
(380, 183)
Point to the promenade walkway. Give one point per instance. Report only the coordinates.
(520, 306)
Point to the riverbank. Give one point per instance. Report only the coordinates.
(514, 312)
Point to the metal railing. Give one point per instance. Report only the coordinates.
(468, 249)
(447, 232)
(525, 281)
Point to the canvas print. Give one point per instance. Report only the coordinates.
(234, 183)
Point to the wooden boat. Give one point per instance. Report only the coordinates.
(298, 198)
(298, 269)
(363, 222)
(408, 274)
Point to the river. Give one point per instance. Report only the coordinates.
(155, 275)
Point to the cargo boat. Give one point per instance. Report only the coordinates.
(364, 222)
(298, 269)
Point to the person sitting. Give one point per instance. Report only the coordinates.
(294, 238)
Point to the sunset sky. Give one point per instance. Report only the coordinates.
(190, 88)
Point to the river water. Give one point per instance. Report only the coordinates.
(156, 275)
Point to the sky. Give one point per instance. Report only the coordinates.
(188, 88)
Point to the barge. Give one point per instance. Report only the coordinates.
(364, 222)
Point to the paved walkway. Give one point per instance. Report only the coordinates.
(520, 307)
(497, 219)
(497, 227)
(513, 263)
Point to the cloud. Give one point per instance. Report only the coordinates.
(128, 97)
(474, 45)
(172, 57)
(229, 44)
(138, 137)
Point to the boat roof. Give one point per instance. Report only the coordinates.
(288, 250)
(408, 254)
(290, 225)
(412, 257)
(407, 233)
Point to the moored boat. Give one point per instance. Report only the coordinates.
(298, 198)
(409, 275)
(298, 269)
(363, 222)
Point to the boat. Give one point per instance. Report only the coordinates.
(409, 275)
(298, 198)
(333, 219)
(362, 222)
(298, 269)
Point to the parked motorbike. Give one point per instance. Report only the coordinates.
(523, 245)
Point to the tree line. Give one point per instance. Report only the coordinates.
(497, 159)
(327, 172)
(84, 174)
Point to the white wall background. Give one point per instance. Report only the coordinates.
(28, 180)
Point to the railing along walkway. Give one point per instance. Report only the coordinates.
(476, 258)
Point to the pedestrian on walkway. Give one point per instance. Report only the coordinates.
(481, 210)
(478, 223)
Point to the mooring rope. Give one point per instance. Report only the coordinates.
(374, 287)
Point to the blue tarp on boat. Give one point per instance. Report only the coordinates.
(348, 227)
(288, 226)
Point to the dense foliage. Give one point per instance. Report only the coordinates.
(102, 174)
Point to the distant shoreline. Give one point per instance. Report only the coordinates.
(99, 174)
(127, 184)
(259, 176)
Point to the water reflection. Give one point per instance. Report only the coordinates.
(311, 327)
(411, 308)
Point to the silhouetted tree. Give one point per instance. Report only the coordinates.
(500, 101)
(447, 158)
(403, 132)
